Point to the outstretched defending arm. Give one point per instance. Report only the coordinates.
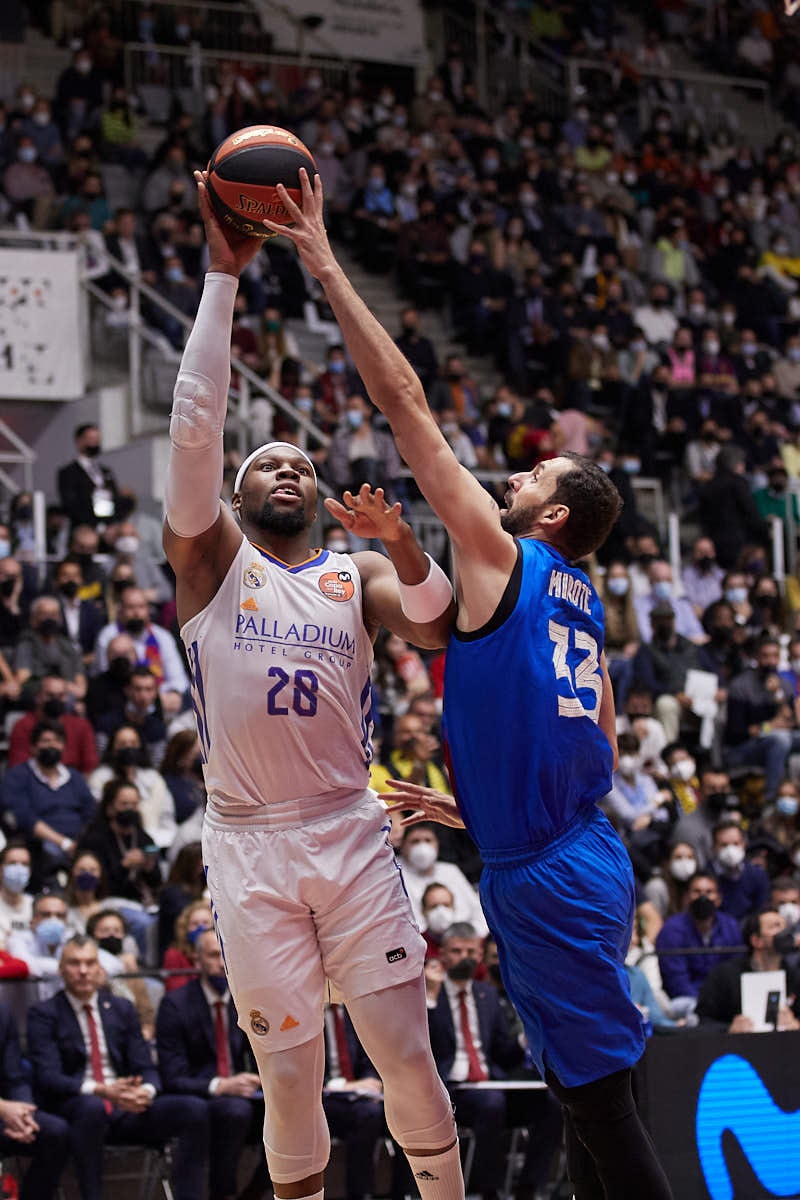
(456, 496)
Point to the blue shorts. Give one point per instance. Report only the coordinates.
(562, 919)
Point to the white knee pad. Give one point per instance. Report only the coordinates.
(410, 1132)
(296, 1138)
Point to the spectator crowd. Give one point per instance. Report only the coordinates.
(634, 283)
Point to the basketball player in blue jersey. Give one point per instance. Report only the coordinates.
(529, 725)
(304, 886)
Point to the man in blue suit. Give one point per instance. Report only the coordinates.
(472, 1042)
(92, 1066)
(201, 1052)
(25, 1130)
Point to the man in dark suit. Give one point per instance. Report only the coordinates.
(25, 1130)
(352, 1098)
(92, 1066)
(201, 1052)
(87, 491)
(472, 1042)
(83, 619)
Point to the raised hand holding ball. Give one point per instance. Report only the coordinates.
(243, 174)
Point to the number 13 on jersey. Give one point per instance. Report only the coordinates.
(587, 672)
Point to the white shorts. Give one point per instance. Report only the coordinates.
(296, 908)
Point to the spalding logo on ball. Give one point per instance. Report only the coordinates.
(243, 173)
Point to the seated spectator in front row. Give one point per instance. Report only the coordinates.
(80, 748)
(743, 886)
(352, 1099)
(26, 1130)
(201, 1052)
(702, 924)
(720, 1000)
(92, 1066)
(50, 803)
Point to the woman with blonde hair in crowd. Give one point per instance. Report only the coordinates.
(622, 629)
(194, 920)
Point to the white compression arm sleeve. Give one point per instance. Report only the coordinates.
(200, 400)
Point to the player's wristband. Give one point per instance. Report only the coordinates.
(426, 601)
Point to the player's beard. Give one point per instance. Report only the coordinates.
(520, 519)
(284, 523)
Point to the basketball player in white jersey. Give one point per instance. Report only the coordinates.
(304, 885)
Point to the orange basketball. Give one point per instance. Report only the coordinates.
(243, 173)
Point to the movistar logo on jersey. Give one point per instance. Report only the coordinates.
(248, 626)
(733, 1097)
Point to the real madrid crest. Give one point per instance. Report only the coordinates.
(258, 1023)
(254, 576)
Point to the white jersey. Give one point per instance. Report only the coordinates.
(280, 674)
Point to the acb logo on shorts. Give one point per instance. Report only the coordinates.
(258, 1023)
(337, 585)
(395, 955)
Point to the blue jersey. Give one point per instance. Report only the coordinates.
(521, 705)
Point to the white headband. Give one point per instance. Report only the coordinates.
(240, 474)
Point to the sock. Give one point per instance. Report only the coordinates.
(438, 1176)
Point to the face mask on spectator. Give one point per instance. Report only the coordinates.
(463, 970)
(683, 769)
(219, 983)
(127, 818)
(128, 756)
(422, 855)
(697, 311)
(662, 589)
(618, 585)
(682, 868)
(120, 668)
(736, 595)
(54, 707)
(355, 419)
(787, 805)
(174, 274)
(790, 912)
(111, 944)
(731, 856)
(69, 589)
(705, 563)
(86, 881)
(794, 353)
(338, 546)
(702, 907)
(27, 154)
(711, 348)
(50, 931)
(749, 349)
(440, 917)
(336, 366)
(627, 765)
(127, 544)
(304, 404)
(16, 877)
(135, 626)
(5, 550)
(48, 756)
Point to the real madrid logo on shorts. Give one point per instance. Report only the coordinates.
(258, 1023)
(337, 585)
(254, 576)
